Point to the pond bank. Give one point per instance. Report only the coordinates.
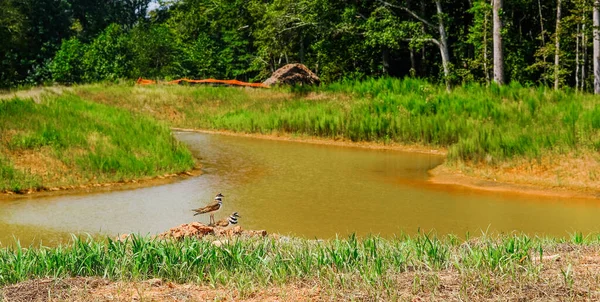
(106, 186)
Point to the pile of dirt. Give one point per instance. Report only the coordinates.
(293, 74)
(199, 230)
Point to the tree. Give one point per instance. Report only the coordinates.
(154, 52)
(498, 51)
(557, 47)
(439, 26)
(108, 57)
(67, 66)
(596, 58)
(479, 38)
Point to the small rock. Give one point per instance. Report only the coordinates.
(219, 243)
(156, 282)
(122, 237)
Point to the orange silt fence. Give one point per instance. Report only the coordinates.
(141, 81)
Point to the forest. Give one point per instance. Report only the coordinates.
(532, 42)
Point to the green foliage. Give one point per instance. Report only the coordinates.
(108, 56)
(249, 39)
(155, 52)
(67, 65)
(371, 263)
(99, 143)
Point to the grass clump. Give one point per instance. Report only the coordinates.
(372, 265)
(15, 180)
(64, 140)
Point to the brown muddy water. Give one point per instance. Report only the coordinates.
(307, 190)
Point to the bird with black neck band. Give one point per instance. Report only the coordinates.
(212, 208)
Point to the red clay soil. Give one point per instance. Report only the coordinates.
(198, 230)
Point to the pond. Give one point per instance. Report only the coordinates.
(306, 190)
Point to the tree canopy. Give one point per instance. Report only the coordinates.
(77, 41)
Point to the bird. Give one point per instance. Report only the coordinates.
(212, 208)
(232, 219)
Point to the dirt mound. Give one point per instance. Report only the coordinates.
(293, 74)
(199, 230)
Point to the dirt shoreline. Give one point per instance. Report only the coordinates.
(441, 175)
(324, 141)
(99, 187)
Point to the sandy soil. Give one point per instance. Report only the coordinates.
(564, 176)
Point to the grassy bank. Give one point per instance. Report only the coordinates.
(476, 123)
(62, 140)
(545, 137)
(507, 266)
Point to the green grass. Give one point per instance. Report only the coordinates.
(494, 124)
(371, 264)
(91, 142)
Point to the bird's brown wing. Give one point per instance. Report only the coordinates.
(223, 222)
(207, 209)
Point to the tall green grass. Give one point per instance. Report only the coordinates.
(94, 141)
(371, 263)
(477, 123)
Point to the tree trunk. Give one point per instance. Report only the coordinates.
(577, 58)
(584, 53)
(485, 49)
(301, 49)
(557, 48)
(541, 23)
(596, 59)
(413, 64)
(498, 53)
(385, 58)
(543, 36)
(443, 44)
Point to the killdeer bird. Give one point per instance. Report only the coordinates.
(232, 219)
(211, 208)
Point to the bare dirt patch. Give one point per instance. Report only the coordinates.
(95, 289)
(554, 175)
(41, 163)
